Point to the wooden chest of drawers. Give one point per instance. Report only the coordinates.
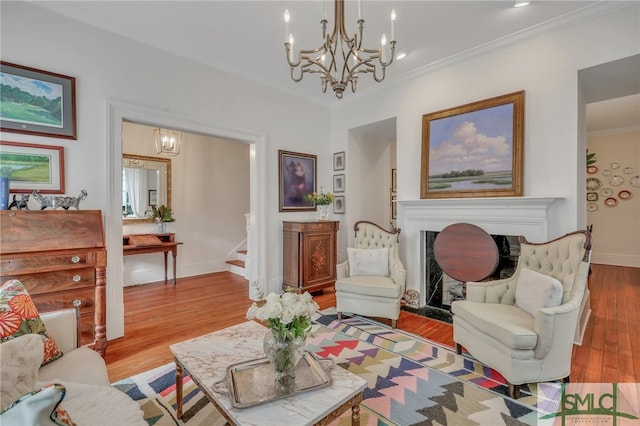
(310, 255)
(61, 259)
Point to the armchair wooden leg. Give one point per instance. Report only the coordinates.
(458, 348)
(393, 323)
(514, 391)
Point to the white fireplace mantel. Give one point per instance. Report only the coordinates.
(528, 216)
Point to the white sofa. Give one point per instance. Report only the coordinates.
(89, 399)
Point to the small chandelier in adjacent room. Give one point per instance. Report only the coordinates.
(168, 141)
(340, 59)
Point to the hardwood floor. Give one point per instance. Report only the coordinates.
(157, 315)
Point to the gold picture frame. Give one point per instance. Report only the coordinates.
(474, 150)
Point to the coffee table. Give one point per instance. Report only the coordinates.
(207, 357)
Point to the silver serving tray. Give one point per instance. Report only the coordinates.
(251, 383)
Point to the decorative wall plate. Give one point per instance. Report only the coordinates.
(592, 170)
(616, 180)
(611, 202)
(635, 181)
(606, 172)
(593, 184)
(615, 165)
(592, 207)
(624, 195)
(628, 170)
(592, 196)
(606, 191)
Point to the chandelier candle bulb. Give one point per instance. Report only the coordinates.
(287, 17)
(393, 24)
(359, 9)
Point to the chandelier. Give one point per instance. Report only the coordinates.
(168, 141)
(340, 58)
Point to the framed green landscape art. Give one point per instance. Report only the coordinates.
(32, 167)
(37, 102)
(474, 150)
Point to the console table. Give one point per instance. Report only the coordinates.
(152, 243)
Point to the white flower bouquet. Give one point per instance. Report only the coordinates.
(288, 314)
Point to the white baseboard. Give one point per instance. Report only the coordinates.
(632, 261)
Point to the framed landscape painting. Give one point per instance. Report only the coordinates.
(297, 180)
(33, 167)
(37, 102)
(474, 150)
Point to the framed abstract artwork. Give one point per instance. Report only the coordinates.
(297, 174)
(474, 150)
(37, 102)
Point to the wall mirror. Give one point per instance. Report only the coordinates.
(146, 182)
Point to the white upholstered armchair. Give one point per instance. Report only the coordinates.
(525, 326)
(371, 283)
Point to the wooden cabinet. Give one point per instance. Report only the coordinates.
(61, 259)
(310, 254)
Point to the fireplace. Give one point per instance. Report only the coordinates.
(506, 217)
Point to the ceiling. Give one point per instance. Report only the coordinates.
(246, 38)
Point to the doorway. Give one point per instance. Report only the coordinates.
(611, 93)
(118, 113)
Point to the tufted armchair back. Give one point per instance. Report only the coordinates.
(559, 258)
(371, 236)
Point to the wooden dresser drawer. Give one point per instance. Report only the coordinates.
(83, 299)
(9, 263)
(48, 282)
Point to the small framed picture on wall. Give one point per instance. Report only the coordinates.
(338, 183)
(338, 161)
(338, 204)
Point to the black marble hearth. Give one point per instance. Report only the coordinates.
(429, 312)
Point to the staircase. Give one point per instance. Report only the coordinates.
(237, 265)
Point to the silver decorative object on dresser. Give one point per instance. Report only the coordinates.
(55, 201)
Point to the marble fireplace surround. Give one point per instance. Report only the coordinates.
(528, 216)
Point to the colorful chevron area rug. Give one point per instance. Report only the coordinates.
(411, 381)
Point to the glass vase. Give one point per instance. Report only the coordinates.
(284, 355)
(323, 211)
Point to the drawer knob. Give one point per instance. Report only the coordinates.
(75, 259)
(77, 302)
(76, 278)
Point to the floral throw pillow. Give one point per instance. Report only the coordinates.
(19, 316)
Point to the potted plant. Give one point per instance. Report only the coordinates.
(322, 200)
(161, 215)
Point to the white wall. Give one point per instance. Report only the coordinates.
(210, 188)
(616, 229)
(108, 66)
(546, 68)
